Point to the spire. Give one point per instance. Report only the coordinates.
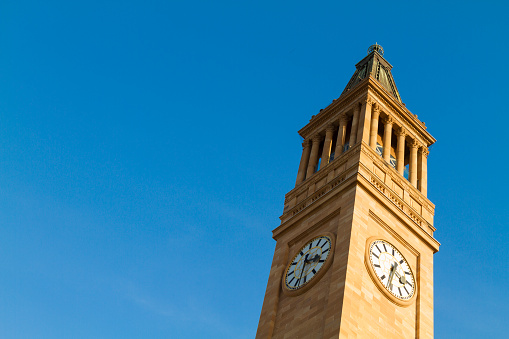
(376, 66)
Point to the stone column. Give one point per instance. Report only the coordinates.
(424, 170)
(304, 160)
(387, 138)
(373, 133)
(340, 142)
(363, 130)
(413, 163)
(400, 156)
(329, 132)
(313, 158)
(355, 121)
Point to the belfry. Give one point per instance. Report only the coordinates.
(354, 251)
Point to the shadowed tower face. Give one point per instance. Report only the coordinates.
(354, 251)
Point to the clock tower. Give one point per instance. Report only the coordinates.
(354, 251)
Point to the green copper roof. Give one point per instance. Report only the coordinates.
(376, 66)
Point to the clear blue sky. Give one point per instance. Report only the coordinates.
(146, 147)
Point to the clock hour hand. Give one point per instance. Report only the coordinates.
(402, 278)
(315, 258)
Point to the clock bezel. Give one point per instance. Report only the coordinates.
(376, 279)
(318, 275)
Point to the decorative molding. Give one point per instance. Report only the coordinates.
(388, 120)
(330, 128)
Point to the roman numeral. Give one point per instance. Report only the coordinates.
(319, 241)
(385, 248)
(402, 261)
(310, 244)
(382, 277)
(406, 290)
(325, 251)
(375, 255)
(399, 289)
(379, 250)
(301, 253)
(407, 273)
(305, 278)
(297, 283)
(393, 252)
(321, 260)
(290, 273)
(314, 272)
(291, 281)
(323, 245)
(376, 265)
(408, 282)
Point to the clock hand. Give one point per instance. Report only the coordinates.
(315, 259)
(303, 266)
(402, 278)
(393, 271)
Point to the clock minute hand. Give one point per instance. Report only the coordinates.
(303, 266)
(393, 271)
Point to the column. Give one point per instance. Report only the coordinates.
(313, 158)
(363, 131)
(424, 170)
(329, 132)
(373, 133)
(304, 160)
(387, 139)
(400, 156)
(340, 142)
(413, 163)
(355, 121)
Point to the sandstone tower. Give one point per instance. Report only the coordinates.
(354, 251)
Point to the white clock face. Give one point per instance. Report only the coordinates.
(392, 269)
(308, 262)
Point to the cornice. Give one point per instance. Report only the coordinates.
(380, 94)
(338, 105)
(372, 92)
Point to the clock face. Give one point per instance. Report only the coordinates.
(313, 258)
(392, 270)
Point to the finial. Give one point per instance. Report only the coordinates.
(376, 47)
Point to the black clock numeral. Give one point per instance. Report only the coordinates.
(319, 241)
(402, 261)
(297, 283)
(406, 290)
(325, 250)
(385, 248)
(376, 265)
(305, 278)
(393, 252)
(382, 277)
(291, 273)
(323, 245)
(321, 260)
(378, 248)
(314, 272)
(310, 244)
(399, 289)
(408, 282)
(407, 273)
(291, 281)
(375, 255)
(301, 253)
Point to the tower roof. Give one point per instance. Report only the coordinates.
(375, 65)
